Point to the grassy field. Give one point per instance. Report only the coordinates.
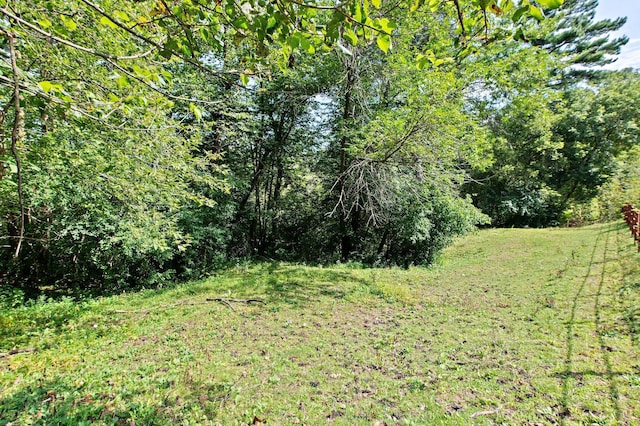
(529, 327)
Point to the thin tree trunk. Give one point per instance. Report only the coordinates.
(383, 241)
(346, 243)
(3, 147)
(16, 137)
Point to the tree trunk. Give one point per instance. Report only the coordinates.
(346, 239)
(16, 137)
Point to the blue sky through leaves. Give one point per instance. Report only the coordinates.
(630, 56)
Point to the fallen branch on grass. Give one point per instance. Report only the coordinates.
(17, 351)
(226, 301)
(485, 413)
(229, 301)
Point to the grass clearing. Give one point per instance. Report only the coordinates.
(512, 326)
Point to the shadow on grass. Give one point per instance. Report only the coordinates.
(568, 372)
(18, 324)
(593, 373)
(55, 402)
(630, 289)
(614, 394)
(275, 283)
(615, 227)
(60, 402)
(294, 285)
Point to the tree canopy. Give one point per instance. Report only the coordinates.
(152, 140)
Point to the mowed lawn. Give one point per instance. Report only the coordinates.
(512, 326)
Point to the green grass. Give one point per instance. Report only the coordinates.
(527, 326)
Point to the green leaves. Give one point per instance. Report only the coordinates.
(298, 40)
(550, 4)
(108, 22)
(46, 86)
(45, 23)
(536, 12)
(528, 8)
(244, 78)
(197, 112)
(49, 87)
(384, 42)
(385, 25)
(429, 59)
(384, 37)
(350, 35)
(519, 12)
(69, 23)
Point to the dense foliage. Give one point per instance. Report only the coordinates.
(560, 134)
(554, 150)
(148, 141)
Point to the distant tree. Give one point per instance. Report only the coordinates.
(548, 152)
(598, 125)
(552, 149)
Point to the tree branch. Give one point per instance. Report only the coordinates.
(460, 20)
(3, 150)
(160, 91)
(25, 88)
(17, 351)
(71, 44)
(224, 300)
(147, 40)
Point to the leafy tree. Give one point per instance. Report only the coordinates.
(549, 154)
(600, 123)
(99, 170)
(516, 189)
(402, 133)
(623, 188)
(555, 150)
(104, 210)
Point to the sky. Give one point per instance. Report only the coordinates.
(630, 55)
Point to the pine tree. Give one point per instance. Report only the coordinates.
(583, 43)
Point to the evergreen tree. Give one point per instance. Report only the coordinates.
(582, 42)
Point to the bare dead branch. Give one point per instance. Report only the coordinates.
(17, 351)
(223, 300)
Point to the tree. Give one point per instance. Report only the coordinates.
(553, 150)
(548, 153)
(582, 43)
(402, 133)
(99, 170)
(600, 123)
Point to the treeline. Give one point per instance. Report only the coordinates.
(146, 146)
(560, 139)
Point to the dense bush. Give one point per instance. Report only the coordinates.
(102, 212)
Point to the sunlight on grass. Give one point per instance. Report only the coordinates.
(509, 327)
